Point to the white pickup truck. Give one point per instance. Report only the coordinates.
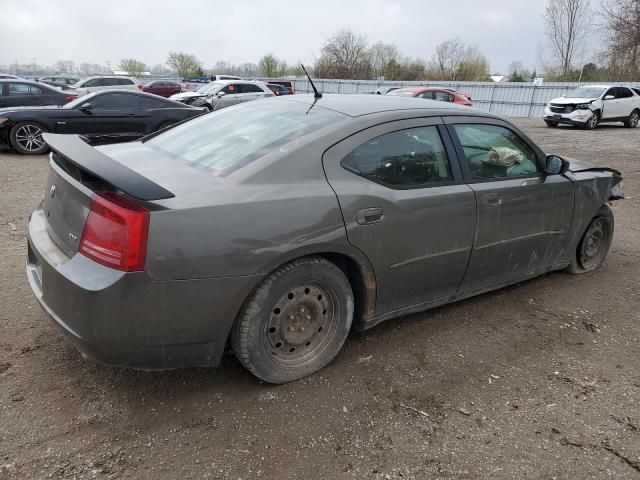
(590, 105)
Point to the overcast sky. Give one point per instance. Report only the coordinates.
(97, 31)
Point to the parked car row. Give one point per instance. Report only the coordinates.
(106, 116)
(223, 93)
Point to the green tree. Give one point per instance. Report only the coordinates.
(132, 66)
(268, 66)
(185, 64)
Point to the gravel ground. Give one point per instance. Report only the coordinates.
(536, 381)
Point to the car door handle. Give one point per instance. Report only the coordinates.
(491, 199)
(367, 216)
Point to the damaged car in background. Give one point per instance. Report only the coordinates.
(280, 225)
(224, 93)
(590, 105)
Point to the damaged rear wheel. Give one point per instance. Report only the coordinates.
(595, 243)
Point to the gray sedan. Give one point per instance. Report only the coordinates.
(280, 224)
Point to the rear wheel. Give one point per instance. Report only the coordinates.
(551, 124)
(632, 121)
(593, 121)
(595, 243)
(296, 322)
(26, 138)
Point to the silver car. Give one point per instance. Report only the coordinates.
(224, 93)
(280, 224)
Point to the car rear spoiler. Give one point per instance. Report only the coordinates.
(105, 168)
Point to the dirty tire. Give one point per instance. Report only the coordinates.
(594, 244)
(295, 322)
(593, 121)
(551, 124)
(26, 138)
(632, 120)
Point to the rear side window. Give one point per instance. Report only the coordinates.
(249, 88)
(405, 158)
(151, 103)
(224, 141)
(96, 82)
(123, 81)
(637, 90)
(20, 89)
(492, 151)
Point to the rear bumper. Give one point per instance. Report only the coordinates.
(128, 319)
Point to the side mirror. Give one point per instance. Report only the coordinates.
(609, 97)
(555, 165)
(220, 94)
(85, 107)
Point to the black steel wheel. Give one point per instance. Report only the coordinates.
(26, 138)
(594, 244)
(296, 321)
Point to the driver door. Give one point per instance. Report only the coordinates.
(523, 214)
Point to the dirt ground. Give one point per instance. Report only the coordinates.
(537, 381)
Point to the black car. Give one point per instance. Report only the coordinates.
(108, 116)
(59, 81)
(24, 93)
(278, 89)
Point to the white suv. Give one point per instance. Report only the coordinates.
(591, 104)
(93, 84)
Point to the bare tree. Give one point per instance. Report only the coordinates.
(268, 66)
(65, 66)
(381, 55)
(184, 63)
(622, 28)
(132, 66)
(567, 24)
(447, 58)
(345, 55)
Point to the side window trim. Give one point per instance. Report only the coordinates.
(466, 170)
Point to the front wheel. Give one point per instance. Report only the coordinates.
(632, 120)
(26, 138)
(595, 243)
(592, 122)
(295, 322)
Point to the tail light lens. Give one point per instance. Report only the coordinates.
(68, 98)
(116, 232)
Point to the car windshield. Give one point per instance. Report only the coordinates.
(221, 142)
(401, 93)
(211, 87)
(80, 100)
(585, 92)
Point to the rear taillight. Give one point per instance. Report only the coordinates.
(115, 233)
(68, 98)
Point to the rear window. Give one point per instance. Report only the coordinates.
(224, 141)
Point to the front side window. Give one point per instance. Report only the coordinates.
(443, 97)
(115, 101)
(96, 82)
(492, 151)
(404, 159)
(427, 95)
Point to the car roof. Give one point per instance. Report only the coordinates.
(356, 105)
(424, 89)
(30, 82)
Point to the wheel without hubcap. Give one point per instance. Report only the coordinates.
(296, 321)
(592, 122)
(27, 138)
(595, 243)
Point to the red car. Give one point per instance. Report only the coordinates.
(434, 93)
(163, 88)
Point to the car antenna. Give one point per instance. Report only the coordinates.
(316, 93)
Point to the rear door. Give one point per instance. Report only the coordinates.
(523, 215)
(23, 95)
(405, 205)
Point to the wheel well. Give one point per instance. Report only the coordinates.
(362, 287)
